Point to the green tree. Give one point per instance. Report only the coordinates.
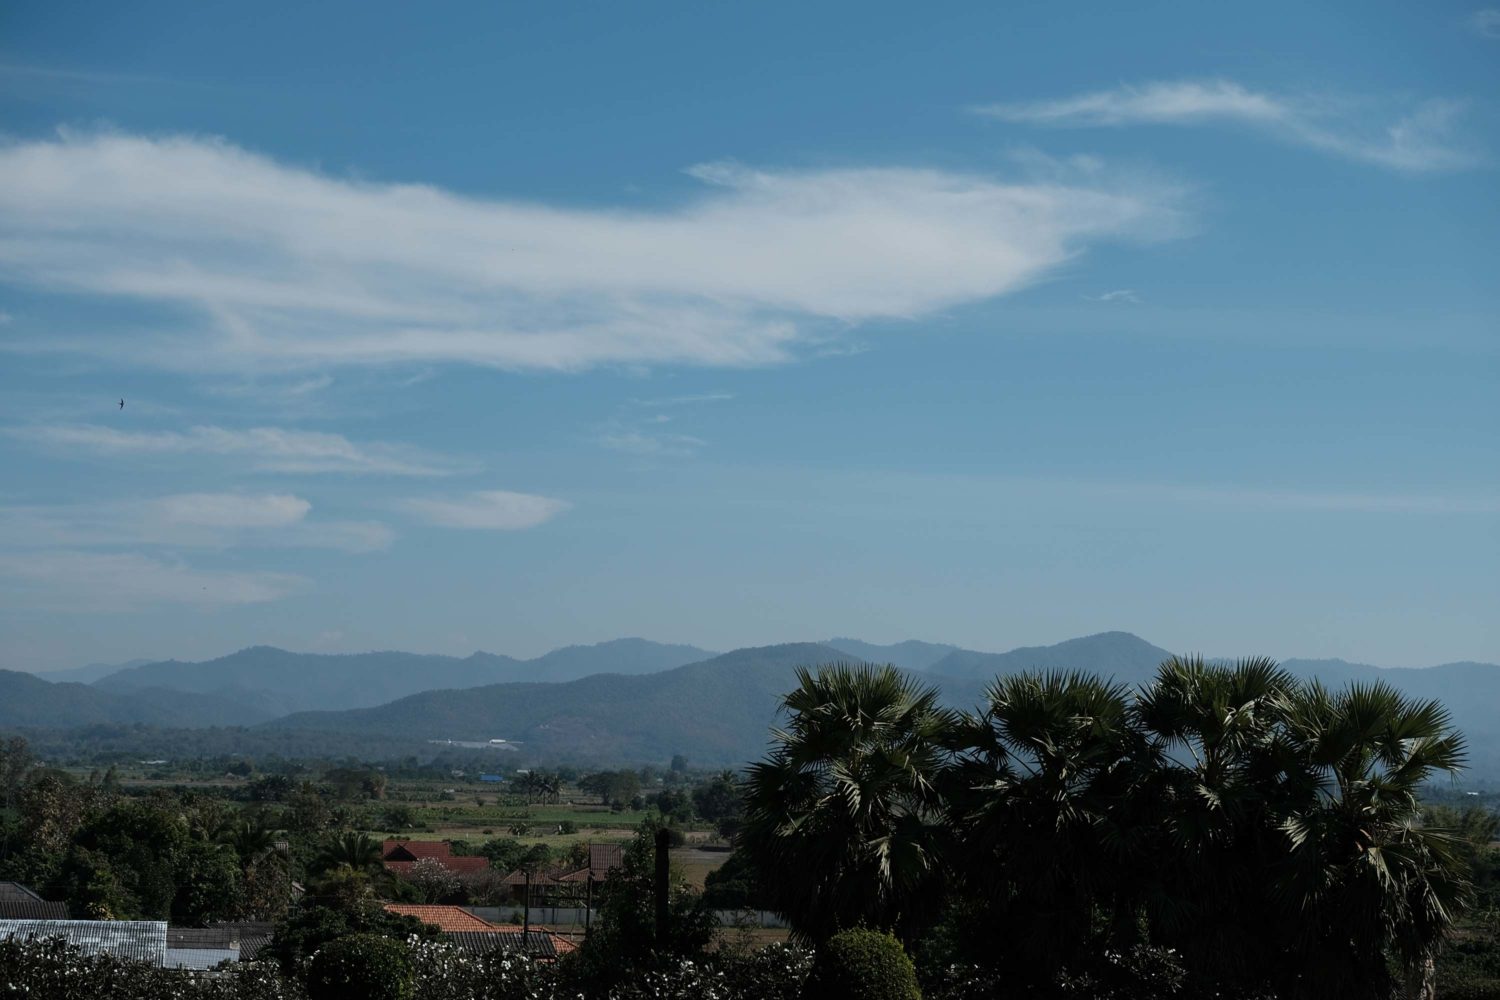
(351, 850)
(1369, 881)
(1040, 800)
(849, 801)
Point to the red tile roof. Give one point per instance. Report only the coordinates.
(445, 918)
(458, 866)
(400, 855)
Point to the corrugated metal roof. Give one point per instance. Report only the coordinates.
(537, 944)
(138, 940)
(15, 892)
(199, 958)
(33, 909)
(202, 937)
(251, 944)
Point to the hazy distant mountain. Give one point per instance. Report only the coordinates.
(1127, 658)
(716, 711)
(627, 700)
(87, 674)
(909, 655)
(277, 682)
(29, 701)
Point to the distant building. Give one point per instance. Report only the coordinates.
(493, 779)
(477, 936)
(19, 903)
(137, 940)
(398, 856)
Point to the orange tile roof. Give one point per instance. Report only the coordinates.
(445, 918)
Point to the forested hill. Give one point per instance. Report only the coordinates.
(717, 711)
(273, 682)
(1126, 658)
(28, 701)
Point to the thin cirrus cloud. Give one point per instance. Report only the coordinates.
(124, 581)
(254, 264)
(1423, 139)
(1486, 22)
(188, 520)
(266, 449)
(485, 510)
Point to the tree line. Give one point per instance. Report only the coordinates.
(1263, 831)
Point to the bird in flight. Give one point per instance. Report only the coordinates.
(122, 404)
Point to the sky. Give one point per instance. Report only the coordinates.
(449, 327)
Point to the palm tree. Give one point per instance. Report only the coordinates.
(1044, 800)
(1292, 850)
(846, 809)
(351, 850)
(249, 839)
(1371, 882)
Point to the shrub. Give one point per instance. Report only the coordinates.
(863, 964)
(361, 967)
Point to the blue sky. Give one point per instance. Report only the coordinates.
(475, 326)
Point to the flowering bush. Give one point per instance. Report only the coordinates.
(53, 970)
(361, 967)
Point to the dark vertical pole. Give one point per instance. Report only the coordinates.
(526, 917)
(588, 905)
(662, 840)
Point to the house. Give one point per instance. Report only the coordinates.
(137, 940)
(493, 779)
(476, 936)
(566, 886)
(398, 856)
(448, 919)
(19, 903)
(252, 935)
(201, 948)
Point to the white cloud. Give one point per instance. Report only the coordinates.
(1119, 295)
(1420, 140)
(125, 581)
(649, 444)
(486, 510)
(268, 266)
(1486, 23)
(269, 449)
(188, 520)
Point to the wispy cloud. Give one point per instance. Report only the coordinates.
(280, 267)
(1422, 139)
(643, 442)
(485, 510)
(126, 581)
(270, 449)
(1118, 295)
(688, 400)
(188, 520)
(1486, 23)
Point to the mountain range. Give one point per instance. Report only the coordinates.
(626, 700)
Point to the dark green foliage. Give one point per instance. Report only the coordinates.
(844, 819)
(52, 970)
(1265, 829)
(625, 941)
(862, 964)
(720, 802)
(361, 967)
(734, 885)
(312, 926)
